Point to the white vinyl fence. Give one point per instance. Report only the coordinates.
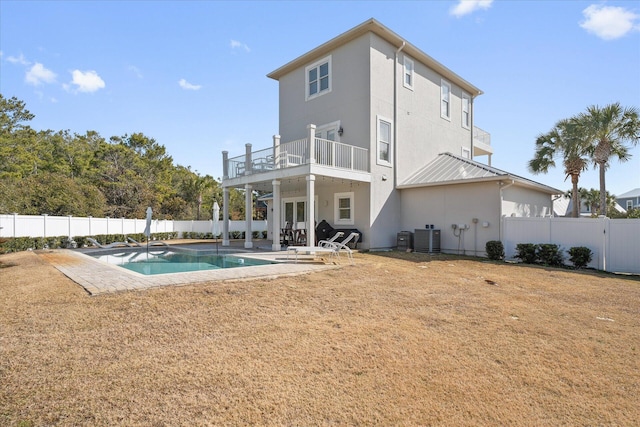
(51, 226)
(615, 243)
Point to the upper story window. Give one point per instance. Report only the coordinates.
(445, 100)
(629, 204)
(408, 73)
(318, 78)
(466, 111)
(384, 141)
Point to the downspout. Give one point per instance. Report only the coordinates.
(502, 188)
(395, 116)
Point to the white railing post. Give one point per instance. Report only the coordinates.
(248, 168)
(276, 151)
(311, 132)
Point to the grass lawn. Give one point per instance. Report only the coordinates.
(397, 339)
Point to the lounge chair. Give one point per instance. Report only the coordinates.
(109, 246)
(332, 248)
(152, 243)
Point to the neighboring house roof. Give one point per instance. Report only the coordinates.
(377, 28)
(630, 194)
(451, 169)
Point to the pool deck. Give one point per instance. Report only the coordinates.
(98, 277)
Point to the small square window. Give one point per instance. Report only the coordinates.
(344, 209)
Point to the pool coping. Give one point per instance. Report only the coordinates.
(98, 277)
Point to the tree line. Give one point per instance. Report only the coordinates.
(596, 136)
(63, 173)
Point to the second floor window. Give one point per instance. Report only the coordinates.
(408, 73)
(445, 100)
(384, 142)
(318, 78)
(466, 111)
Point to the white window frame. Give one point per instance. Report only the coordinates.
(380, 161)
(466, 114)
(465, 153)
(317, 64)
(445, 114)
(336, 208)
(408, 70)
(629, 204)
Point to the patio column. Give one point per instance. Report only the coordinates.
(311, 220)
(248, 213)
(311, 132)
(275, 216)
(225, 215)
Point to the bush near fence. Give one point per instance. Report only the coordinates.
(17, 244)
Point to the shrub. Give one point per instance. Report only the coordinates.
(264, 234)
(495, 250)
(550, 254)
(580, 256)
(527, 252)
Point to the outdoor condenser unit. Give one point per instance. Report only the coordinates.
(426, 240)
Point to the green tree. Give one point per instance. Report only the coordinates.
(608, 131)
(564, 141)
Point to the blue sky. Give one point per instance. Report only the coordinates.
(192, 74)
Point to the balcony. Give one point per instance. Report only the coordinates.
(481, 143)
(286, 155)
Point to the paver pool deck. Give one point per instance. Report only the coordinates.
(98, 277)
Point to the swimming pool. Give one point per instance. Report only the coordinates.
(171, 261)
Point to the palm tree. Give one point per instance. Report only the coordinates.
(607, 131)
(562, 141)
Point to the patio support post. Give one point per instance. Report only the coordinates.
(225, 215)
(311, 131)
(248, 213)
(275, 216)
(311, 220)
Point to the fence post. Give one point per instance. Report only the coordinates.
(44, 225)
(70, 227)
(15, 223)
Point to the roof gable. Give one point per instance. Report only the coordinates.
(385, 33)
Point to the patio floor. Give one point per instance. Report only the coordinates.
(98, 277)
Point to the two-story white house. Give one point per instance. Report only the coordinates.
(374, 134)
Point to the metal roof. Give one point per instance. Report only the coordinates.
(450, 169)
(633, 193)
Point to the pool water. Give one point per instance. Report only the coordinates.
(176, 262)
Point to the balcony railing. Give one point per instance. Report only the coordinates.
(295, 153)
(481, 136)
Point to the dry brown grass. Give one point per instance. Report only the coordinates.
(399, 339)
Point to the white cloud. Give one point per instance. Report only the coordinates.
(465, 7)
(38, 75)
(235, 44)
(86, 81)
(609, 22)
(135, 70)
(18, 60)
(188, 86)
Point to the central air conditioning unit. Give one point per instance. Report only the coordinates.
(427, 241)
